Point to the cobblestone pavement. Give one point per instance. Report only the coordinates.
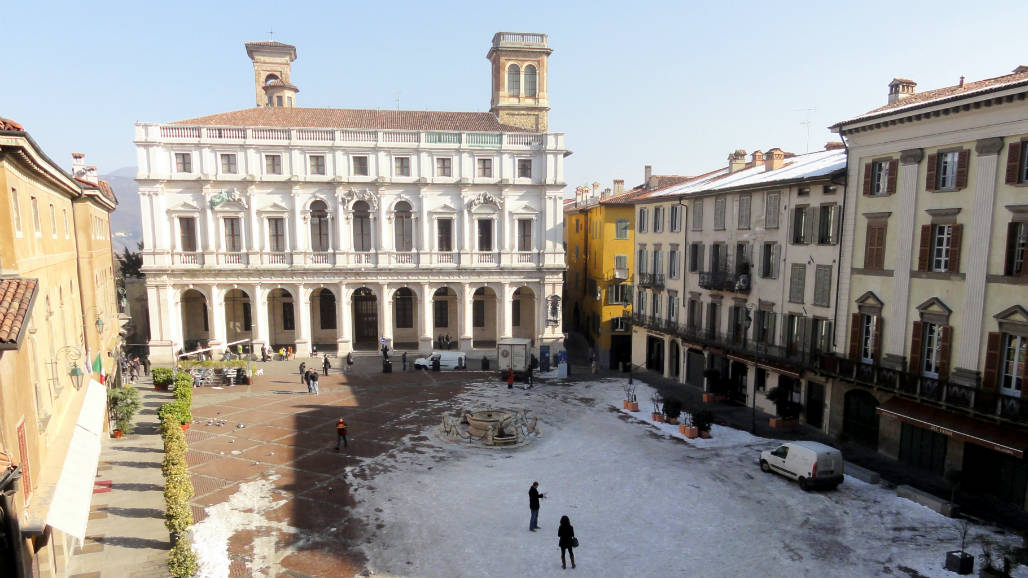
(125, 535)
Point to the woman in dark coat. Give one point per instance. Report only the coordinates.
(565, 536)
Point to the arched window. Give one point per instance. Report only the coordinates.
(514, 80)
(361, 226)
(530, 83)
(403, 227)
(270, 78)
(319, 226)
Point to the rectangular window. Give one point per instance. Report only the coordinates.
(524, 234)
(35, 216)
(1012, 365)
(619, 294)
(821, 335)
(797, 282)
(868, 324)
(676, 218)
(478, 313)
(277, 234)
(621, 262)
(360, 166)
(16, 210)
(1017, 240)
(187, 234)
(823, 285)
(183, 162)
(658, 219)
(658, 262)
(444, 235)
(485, 235)
(771, 210)
(273, 164)
(67, 229)
(672, 264)
(642, 220)
(524, 168)
(228, 164)
(247, 317)
(718, 257)
(401, 166)
(744, 211)
(1022, 172)
(947, 178)
(640, 301)
(942, 235)
(640, 261)
(317, 164)
(485, 168)
(697, 215)
(799, 225)
(765, 327)
(695, 250)
(880, 177)
(824, 224)
(444, 167)
(621, 229)
(930, 345)
(655, 311)
(288, 323)
(515, 313)
(53, 221)
(719, 214)
(440, 313)
(233, 235)
(672, 308)
(767, 260)
(874, 248)
(791, 335)
(404, 312)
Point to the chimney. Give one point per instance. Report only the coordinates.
(596, 190)
(961, 81)
(737, 161)
(900, 88)
(834, 145)
(91, 175)
(757, 158)
(1021, 69)
(648, 171)
(774, 159)
(605, 194)
(79, 170)
(619, 186)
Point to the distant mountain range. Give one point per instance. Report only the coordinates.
(126, 222)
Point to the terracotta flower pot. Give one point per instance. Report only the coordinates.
(712, 398)
(784, 424)
(689, 431)
(705, 435)
(160, 387)
(116, 433)
(657, 417)
(632, 405)
(185, 426)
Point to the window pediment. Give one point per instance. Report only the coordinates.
(525, 209)
(482, 202)
(184, 207)
(444, 208)
(1014, 313)
(934, 311)
(274, 208)
(869, 304)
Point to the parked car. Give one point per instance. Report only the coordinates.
(812, 464)
(447, 360)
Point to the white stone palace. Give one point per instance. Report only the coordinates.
(335, 228)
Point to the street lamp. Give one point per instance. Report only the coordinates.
(72, 354)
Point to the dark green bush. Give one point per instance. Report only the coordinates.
(162, 376)
(703, 419)
(672, 408)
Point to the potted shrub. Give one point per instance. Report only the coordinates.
(787, 412)
(960, 561)
(702, 420)
(123, 403)
(672, 409)
(715, 388)
(631, 403)
(162, 378)
(689, 429)
(658, 408)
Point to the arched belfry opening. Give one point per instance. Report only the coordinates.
(271, 69)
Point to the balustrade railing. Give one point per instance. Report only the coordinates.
(446, 258)
(517, 139)
(644, 279)
(225, 133)
(360, 136)
(310, 134)
(231, 258)
(525, 258)
(401, 137)
(405, 258)
(270, 133)
(180, 132)
(486, 259)
(277, 258)
(322, 258)
(725, 281)
(187, 258)
(362, 258)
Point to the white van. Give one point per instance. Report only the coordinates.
(810, 463)
(447, 360)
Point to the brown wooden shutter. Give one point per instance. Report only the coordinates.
(890, 187)
(855, 336)
(1013, 164)
(879, 322)
(925, 252)
(915, 347)
(954, 248)
(929, 180)
(867, 177)
(963, 158)
(945, 349)
(990, 374)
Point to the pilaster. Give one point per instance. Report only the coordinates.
(896, 326)
(260, 309)
(504, 311)
(426, 310)
(302, 301)
(344, 331)
(217, 318)
(466, 330)
(385, 314)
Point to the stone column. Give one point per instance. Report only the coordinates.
(216, 311)
(385, 315)
(299, 230)
(903, 229)
(503, 306)
(424, 229)
(426, 310)
(975, 269)
(340, 244)
(464, 313)
(253, 243)
(259, 305)
(210, 228)
(344, 329)
(302, 301)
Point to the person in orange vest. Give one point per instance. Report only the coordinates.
(510, 378)
(341, 433)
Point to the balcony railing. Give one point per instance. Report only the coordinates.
(322, 258)
(232, 258)
(404, 258)
(644, 279)
(277, 258)
(725, 281)
(187, 258)
(621, 274)
(526, 258)
(487, 258)
(446, 258)
(977, 401)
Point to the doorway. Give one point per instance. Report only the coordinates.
(365, 320)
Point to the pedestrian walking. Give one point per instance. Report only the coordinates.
(349, 361)
(566, 540)
(307, 380)
(146, 365)
(314, 381)
(303, 371)
(325, 364)
(510, 378)
(385, 351)
(341, 433)
(403, 359)
(534, 495)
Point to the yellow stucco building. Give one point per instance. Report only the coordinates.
(599, 236)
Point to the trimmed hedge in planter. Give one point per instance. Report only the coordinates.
(162, 377)
(178, 489)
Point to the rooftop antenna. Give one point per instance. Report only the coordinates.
(806, 122)
(271, 33)
(397, 101)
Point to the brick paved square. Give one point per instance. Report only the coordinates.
(228, 468)
(260, 432)
(222, 443)
(275, 454)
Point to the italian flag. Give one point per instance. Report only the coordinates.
(98, 367)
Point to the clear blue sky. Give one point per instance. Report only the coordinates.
(677, 85)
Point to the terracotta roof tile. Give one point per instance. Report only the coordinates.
(103, 186)
(15, 296)
(8, 124)
(356, 119)
(940, 95)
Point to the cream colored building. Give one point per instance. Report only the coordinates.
(337, 229)
(934, 315)
(56, 282)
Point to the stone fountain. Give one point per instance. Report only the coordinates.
(491, 427)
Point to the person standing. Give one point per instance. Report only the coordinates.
(403, 359)
(510, 378)
(341, 433)
(303, 372)
(314, 382)
(146, 365)
(349, 362)
(307, 380)
(325, 364)
(566, 541)
(534, 495)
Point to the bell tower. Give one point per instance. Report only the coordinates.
(271, 67)
(519, 91)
